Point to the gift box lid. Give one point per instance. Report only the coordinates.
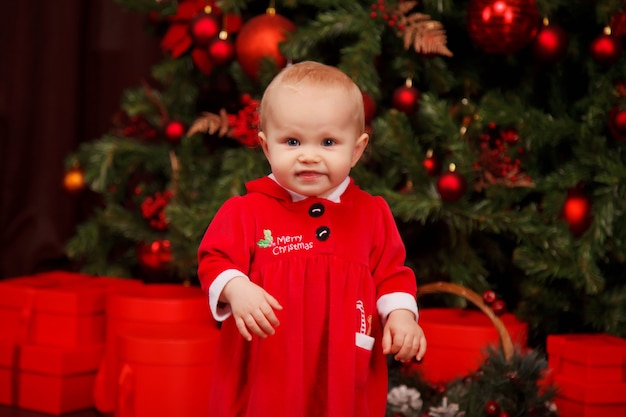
(467, 329)
(163, 303)
(594, 393)
(60, 292)
(589, 349)
(58, 361)
(170, 346)
(18, 291)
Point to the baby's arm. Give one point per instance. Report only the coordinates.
(252, 307)
(403, 337)
(224, 256)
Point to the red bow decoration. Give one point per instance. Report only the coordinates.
(177, 40)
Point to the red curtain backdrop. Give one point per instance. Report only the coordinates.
(63, 67)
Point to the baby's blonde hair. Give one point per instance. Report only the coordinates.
(319, 75)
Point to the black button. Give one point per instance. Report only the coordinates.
(322, 233)
(316, 210)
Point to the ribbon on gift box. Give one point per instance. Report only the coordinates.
(126, 395)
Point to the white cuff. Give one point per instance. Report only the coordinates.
(221, 312)
(396, 301)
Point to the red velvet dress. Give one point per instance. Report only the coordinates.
(328, 264)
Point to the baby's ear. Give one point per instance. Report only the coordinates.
(359, 148)
(263, 141)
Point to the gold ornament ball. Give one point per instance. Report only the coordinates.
(74, 180)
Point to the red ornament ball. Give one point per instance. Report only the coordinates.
(576, 208)
(203, 28)
(221, 51)
(502, 26)
(498, 307)
(606, 49)
(451, 186)
(259, 38)
(432, 165)
(489, 296)
(406, 99)
(617, 123)
(369, 107)
(174, 131)
(156, 255)
(551, 44)
(577, 212)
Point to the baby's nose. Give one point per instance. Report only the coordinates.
(308, 157)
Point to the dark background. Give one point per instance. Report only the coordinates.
(63, 67)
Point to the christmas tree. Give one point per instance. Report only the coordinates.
(498, 137)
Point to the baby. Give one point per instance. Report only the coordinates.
(309, 266)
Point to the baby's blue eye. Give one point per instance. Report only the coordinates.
(293, 142)
(328, 142)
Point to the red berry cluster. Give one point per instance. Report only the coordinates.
(152, 209)
(498, 306)
(380, 11)
(245, 124)
(136, 126)
(498, 154)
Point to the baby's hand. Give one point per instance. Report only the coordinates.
(403, 337)
(252, 308)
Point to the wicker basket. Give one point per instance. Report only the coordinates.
(450, 288)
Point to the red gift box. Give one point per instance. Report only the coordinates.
(152, 308)
(57, 380)
(7, 352)
(18, 297)
(589, 372)
(165, 372)
(48, 379)
(569, 408)
(52, 319)
(579, 398)
(588, 357)
(62, 309)
(458, 340)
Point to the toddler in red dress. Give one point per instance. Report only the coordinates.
(306, 270)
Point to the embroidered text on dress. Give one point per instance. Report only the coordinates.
(283, 244)
(286, 244)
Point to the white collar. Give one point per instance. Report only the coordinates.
(335, 196)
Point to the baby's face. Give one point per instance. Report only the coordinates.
(312, 138)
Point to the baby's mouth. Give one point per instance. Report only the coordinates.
(308, 175)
